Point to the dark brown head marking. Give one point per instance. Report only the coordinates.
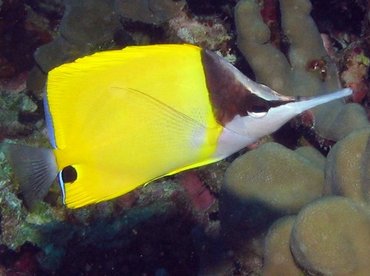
(229, 97)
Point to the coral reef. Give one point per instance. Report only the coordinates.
(333, 248)
(78, 35)
(278, 209)
(346, 167)
(199, 31)
(277, 255)
(265, 184)
(149, 11)
(355, 73)
(297, 73)
(19, 22)
(10, 106)
(23, 28)
(303, 67)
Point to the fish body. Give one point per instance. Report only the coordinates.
(120, 119)
(119, 129)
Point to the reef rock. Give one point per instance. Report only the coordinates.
(267, 183)
(85, 27)
(277, 256)
(299, 74)
(149, 11)
(331, 236)
(346, 167)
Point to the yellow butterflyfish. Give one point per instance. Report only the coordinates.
(122, 118)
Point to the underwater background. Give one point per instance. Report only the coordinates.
(296, 203)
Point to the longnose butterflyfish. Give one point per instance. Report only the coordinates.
(121, 118)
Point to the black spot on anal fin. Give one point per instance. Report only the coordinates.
(35, 169)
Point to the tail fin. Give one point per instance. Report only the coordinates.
(35, 169)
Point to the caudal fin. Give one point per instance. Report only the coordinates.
(35, 169)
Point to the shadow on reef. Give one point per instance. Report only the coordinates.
(343, 16)
(144, 250)
(137, 243)
(244, 219)
(22, 262)
(152, 240)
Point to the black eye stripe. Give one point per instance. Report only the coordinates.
(258, 108)
(69, 174)
(253, 103)
(278, 103)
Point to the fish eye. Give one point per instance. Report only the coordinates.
(69, 174)
(258, 110)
